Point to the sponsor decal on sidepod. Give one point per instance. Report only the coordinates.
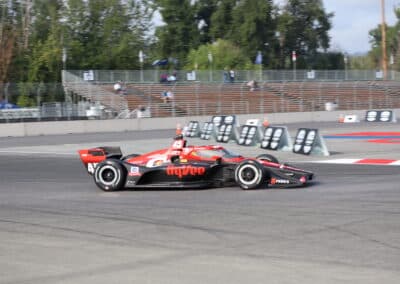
(185, 171)
(134, 171)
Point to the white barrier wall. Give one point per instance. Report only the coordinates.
(119, 125)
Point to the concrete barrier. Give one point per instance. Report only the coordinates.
(12, 129)
(120, 125)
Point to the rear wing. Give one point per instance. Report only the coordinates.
(91, 157)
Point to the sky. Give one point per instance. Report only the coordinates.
(353, 20)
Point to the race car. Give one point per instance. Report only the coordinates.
(188, 167)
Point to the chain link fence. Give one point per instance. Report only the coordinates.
(39, 102)
(217, 76)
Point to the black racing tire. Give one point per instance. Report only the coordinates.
(268, 158)
(250, 174)
(110, 175)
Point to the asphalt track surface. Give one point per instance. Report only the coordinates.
(57, 227)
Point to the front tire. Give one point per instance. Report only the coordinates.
(109, 175)
(249, 174)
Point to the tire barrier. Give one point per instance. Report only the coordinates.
(380, 116)
(276, 138)
(207, 131)
(226, 128)
(249, 133)
(226, 132)
(192, 129)
(218, 120)
(308, 141)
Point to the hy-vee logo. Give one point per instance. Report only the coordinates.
(185, 171)
(279, 181)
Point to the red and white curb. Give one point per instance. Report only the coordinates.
(384, 162)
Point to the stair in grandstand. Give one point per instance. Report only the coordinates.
(94, 93)
(153, 96)
(298, 99)
(392, 88)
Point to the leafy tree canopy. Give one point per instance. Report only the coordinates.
(224, 55)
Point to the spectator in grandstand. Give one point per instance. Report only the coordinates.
(226, 75)
(252, 85)
(175, 73)
(232, 76)
(142, 111)
(171, 79)
(164, 78)
(118, 87)
(170, 96)
(164, 96)
(167, 96)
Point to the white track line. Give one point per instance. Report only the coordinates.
(370, 161)
(337, 161)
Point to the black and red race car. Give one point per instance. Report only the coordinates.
(182, 166)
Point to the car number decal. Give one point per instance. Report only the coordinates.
(91, 167)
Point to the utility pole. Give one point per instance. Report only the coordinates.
(141, 60)
(210, 62)
(383, 30)
(294, 59)
(26, 22)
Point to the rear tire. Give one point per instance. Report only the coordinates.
(109, 175)
(268, 158)
(250, 174)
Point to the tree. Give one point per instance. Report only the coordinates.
(253, 27)
(204, 11)
(392, 43)
(222, 20)
(47, 17)
(10, 35)
(45, 62)
(327, 61)
(106, 34)
(224, 53)
(361, 62)
(46, 42)
(7, 42)
(180, 32)
(303, 26)
(27, 93)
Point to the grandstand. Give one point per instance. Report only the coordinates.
(210, 98)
